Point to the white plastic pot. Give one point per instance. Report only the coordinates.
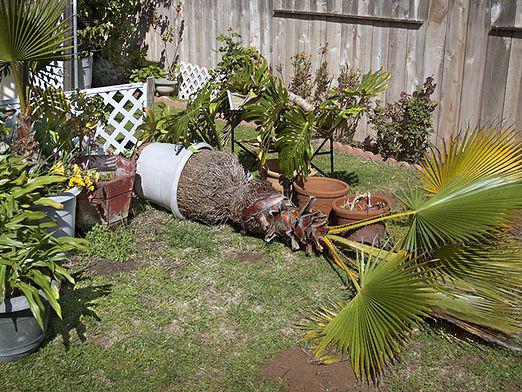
(159, 170)
(66, 217)
(85, 72)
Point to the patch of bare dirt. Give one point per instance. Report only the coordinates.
(299, 373)
(249, 256)
(105, 267)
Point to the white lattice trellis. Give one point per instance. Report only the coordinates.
(194, 78)
(128, 102)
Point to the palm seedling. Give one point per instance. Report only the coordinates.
(32, 35)
(456, 262)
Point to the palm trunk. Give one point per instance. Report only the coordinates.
(214, 188)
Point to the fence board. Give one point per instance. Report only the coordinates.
(497, 62)
(474, 63)
(453, 68)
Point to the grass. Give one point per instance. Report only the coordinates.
(168, 305)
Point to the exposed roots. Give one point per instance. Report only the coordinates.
(209, 185)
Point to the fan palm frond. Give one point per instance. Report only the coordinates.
(373, 326)
(473, 188)
(478, 154)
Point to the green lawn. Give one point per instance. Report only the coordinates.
(167, 305)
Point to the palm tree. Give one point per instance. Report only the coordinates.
(32, 35)
(456, 262)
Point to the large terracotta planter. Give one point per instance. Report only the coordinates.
(371, 234)
(110, 202)
(324, 189)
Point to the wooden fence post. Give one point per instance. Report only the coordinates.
(149, 92)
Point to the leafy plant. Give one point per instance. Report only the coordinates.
(234, 56)
(141, 74)
(30, 256)
(456, 262)
(66, 125)
(154, 127)
(302, 83)
(403, 128)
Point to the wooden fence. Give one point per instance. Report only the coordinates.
(473, 48)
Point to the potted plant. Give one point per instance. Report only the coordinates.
(30, 259)
(66, 194)
(94, 27)
(348, 210)
(110, 200)
(64, 130)
(325, 190)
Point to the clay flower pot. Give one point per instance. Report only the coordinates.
(371, 234)
(273, 174)
(324, 189)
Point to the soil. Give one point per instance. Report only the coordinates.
(300, 373)
(109, 268)
(246, 256)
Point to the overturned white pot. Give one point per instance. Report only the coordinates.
(158, 172)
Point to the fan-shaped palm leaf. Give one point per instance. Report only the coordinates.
(32, 34)
(480, 153)
(391, 300)
(466, 200)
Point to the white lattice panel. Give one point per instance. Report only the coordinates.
(126, 103)
(194, 78)
(52, 75)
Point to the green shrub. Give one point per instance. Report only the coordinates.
(141, 74)
(30, 257)
(403, 127)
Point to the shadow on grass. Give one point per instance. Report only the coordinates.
(248, 161)
(350, 177)
(77, 305)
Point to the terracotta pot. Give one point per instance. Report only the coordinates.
(273, 174)
(324, 189)
(110, 201)
(371, 234)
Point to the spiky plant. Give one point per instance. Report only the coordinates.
(456, 262)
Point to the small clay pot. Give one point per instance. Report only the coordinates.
(324, 189)
(371, 234)
(273, 174)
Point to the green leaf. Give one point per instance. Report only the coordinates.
(35, 302)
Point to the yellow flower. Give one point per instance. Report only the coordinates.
(58, 168)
